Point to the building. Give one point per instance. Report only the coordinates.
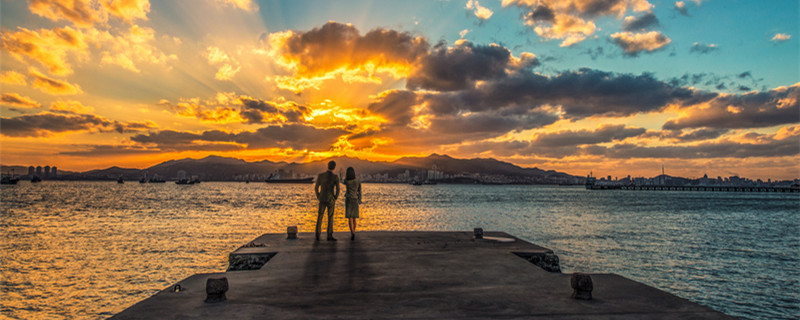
(47, 171)
(54, 172)
(39, 171)
(31, 171)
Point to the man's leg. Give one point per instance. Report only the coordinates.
(330, 220)
(320, 212)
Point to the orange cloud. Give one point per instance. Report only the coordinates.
(52, 86)
(16, 100)
(481, 12)
(128, 10)
(246, 5)
(13, 77)
(50, 48)
(70, 106)
(634, 43)
(338, 50)
(79, 12)
(125, 50)
(570, 20)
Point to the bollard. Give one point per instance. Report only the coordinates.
(581, 286)
(215, 289)
(478, 233)
(291, 232)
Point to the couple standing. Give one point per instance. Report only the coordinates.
(327, 190)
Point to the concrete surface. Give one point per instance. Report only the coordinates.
(409, 275)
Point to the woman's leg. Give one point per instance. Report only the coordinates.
(351, 222)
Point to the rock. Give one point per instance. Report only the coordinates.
(215, 289)
(581, 286)
(248, 261)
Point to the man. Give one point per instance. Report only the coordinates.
(327, 190)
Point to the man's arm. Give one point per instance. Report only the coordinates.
(336, 185)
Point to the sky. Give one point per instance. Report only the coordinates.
(612, 87)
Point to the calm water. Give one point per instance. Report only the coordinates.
(91, 249)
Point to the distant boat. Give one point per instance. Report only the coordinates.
(9, 180)
(120, 181)
(36, 179)
(274, 178)
(187, 181)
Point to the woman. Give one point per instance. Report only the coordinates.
(352, 198)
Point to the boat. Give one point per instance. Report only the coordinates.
(194, 180)
(120, 181)
(274, 178)
(36, 179)
(9, 180)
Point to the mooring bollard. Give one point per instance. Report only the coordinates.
(216, 288)
(581, 286)
(478, 233)
(291, 232)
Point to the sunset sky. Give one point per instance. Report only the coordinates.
(615, 87)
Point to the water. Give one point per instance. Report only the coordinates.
(91, 249)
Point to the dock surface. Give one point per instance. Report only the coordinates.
(409, 275)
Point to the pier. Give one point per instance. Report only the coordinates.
(417, 275)
(692, 188)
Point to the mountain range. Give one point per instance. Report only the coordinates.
(216, 168)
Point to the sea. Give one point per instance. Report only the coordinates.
(88, 250)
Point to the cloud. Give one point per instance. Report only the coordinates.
(646, 21)
(70, 106)
(702, 48)
(578, 94)
(635, 43)
(80, 12)
(46, 123)
(106, 150)
(395, 105)
(458, 67)
(16, 100)
(13, 77)
(339, 50)
(297, 137)
(481, 12)
(50, 48)
(246, 5)
(216, 56)
(750, 110)
(687, 135)
(128, 10)
(231, 108)
(775, 145)
(781, 37)
(571, 20)
(128, 49)
(52, 86)
(605, 133)
(680, 6)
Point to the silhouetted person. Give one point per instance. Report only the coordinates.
(327, 190)
(352, 198)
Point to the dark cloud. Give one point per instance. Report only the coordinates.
(744, 75)
(744, 88)
(542, 13)
(769, 146)
(680, 6)
(646, 21)
(702, 48)
(46, 123)
(455, 68)
(395, 106)
(750, 110)
(581, 94)
(604, 134)
(684, 136)
(595, 53)
(107, 150)
(492, 124)
(14, 99)
(287, 136)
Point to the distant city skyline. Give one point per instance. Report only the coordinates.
(613, 87)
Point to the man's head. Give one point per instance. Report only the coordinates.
(331, 165)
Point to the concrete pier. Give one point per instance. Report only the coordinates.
(408, 275)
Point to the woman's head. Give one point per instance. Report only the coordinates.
(351, 174)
